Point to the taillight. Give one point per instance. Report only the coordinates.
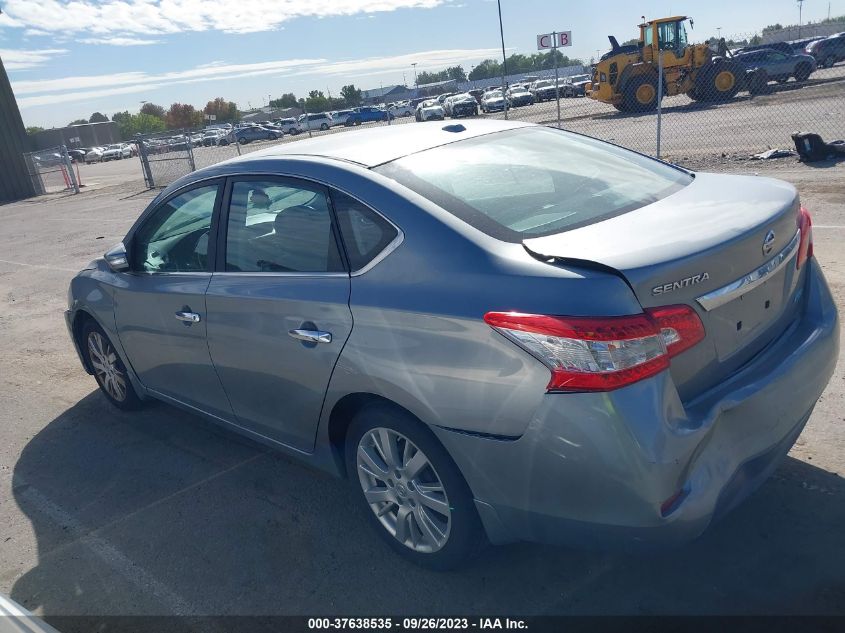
(602, 354)
(805, 245)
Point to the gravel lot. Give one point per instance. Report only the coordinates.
(158, 512)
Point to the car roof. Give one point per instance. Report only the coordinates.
(375, 146)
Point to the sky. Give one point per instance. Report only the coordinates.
(68, 59)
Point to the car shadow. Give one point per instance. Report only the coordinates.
(159, 512)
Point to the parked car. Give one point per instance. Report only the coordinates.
(777, 65)
(401, 109)
(289, 125)
(340, 117)
(95, 155)
(492, 101)
(575, 86)
(315, 121)
(461, 105)
(117, 151)
(430, 110)
(539, 352)
(211, 137)
(518, 96)
(256, 133)
(476, 93)
(784, 47)
(543, 90)
(78, 155)
(827, 51)
(366, 114)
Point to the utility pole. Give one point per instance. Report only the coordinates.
(504, 58)
(800, 7)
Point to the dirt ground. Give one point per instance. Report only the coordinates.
(157, 512)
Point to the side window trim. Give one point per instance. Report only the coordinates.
(381, 255)
(213, 233)
(219, 267)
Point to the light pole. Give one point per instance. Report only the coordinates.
(414, 64)
(719, 32)
(800, 7)
(504, 59)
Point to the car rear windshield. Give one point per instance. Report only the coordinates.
(535, 181)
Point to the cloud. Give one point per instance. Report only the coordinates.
(118, 41)
(38, 92)
(23, 59)
(158, 17)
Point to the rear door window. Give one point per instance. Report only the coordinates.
(280, 226)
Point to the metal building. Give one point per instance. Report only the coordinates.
(15, 183)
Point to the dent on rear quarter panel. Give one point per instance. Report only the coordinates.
(419, 338)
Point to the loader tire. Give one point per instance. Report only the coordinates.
(640, 94)
(720, 81)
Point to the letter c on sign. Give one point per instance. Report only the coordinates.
(544, 41)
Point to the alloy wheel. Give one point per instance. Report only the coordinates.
(106, 366)
(404, 490)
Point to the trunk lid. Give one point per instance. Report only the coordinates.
(724, 245)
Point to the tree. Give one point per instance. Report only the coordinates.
(34, 129)
(182, 115)
(633, 40)
(153, 110)
(457, 73)
(287, 100)
(351, 95)
(224, 111)
(316, 101)
(78, 122)
(98, 117)
(132, 124)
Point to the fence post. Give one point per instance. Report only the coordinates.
(190, 147)
(557, 79)
(237, 145)
(659, 97)
(145, 164)
(69, 167)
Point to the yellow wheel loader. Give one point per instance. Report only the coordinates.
(627, 76)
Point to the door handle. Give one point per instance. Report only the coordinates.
(188, 317)
(311, 336)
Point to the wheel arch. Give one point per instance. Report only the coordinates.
(342, 414)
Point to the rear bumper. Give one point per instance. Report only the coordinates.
(595, 469)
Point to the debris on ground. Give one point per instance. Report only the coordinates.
(774, 153)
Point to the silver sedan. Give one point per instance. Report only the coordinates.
(496, 330)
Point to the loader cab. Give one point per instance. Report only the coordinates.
(668, 35)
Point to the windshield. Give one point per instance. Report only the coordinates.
(535, 181)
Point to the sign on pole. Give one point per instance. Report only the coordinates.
(210, 117)
(554, 40)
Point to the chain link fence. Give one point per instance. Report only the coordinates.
(732, 101)
(51, 171)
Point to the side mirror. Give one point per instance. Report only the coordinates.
(117, 258)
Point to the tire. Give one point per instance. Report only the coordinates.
(803, 72)
(720, 81)
(640, 94)
(109, 371)
(829, 61)
(757, 82)
(324, 126)
(441, 533)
